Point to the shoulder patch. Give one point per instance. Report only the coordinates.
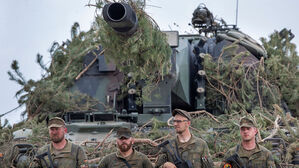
(227, 165)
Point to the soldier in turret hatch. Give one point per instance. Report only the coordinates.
(125, 156)
(60, 153)
(185, 150)
(248, 154)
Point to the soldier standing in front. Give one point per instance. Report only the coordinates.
(60, 153)
(185, 150)
(248, 154)
(126, 156)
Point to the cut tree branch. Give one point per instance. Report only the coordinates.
(89, 65)
(276, 128)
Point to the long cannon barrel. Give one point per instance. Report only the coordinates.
(121, 17)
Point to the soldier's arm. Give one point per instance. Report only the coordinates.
(147, 163)
(206, 157)
(270, 161)
(223, 162)
(81, 156)
(227, 155)
(162, 158)
(36, 163)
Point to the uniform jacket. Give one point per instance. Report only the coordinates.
(195, 150)
(70, 156)
(258, 157)
(115, 160)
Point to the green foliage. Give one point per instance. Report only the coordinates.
(232, 86)
(235, 87)
(39, 137)
(225, 134)
(145, 54)
(293, 147)
(156, 124)
(39, 130)
(52, 92)
(282, 67)
(259, 87)
(219, 137)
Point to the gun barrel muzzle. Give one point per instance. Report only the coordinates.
(121, 17)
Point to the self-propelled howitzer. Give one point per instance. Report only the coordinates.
(182, 87)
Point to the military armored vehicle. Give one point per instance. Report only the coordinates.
(183, 87)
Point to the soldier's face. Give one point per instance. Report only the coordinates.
(124, 144)
(180, 123)
(57, 134)
(248, 133)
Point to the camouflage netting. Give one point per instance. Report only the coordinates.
(267, 89)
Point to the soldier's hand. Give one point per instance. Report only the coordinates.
(169, 165)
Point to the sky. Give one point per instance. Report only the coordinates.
(28, 27)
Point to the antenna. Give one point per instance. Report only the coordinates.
(237, 8)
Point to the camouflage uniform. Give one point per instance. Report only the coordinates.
(259, 157)
(195, 150)
(70, 156)
(115, 160)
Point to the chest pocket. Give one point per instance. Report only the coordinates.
(193, 154)
(259, 162)
(194, 157)
(119, 164)
(64, 160)
(67, 159)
